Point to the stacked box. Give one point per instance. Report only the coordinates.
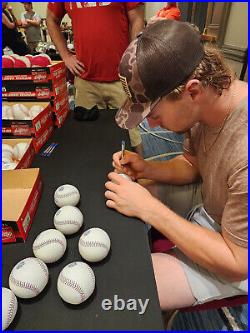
(38, 84)
(60, 107)
(21, 192)
(27, 158)
(39, 128)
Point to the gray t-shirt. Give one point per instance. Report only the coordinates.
(33, 33)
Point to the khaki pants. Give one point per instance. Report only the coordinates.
(106, 96)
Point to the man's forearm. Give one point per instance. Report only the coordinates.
(205, 247)
(137, 27)
(34, 23)
(136, 21)
(57, 36)
(177, 171)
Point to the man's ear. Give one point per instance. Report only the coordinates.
(194, 89)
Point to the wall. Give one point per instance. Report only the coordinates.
(39, 7)
(237, 33)
(236, 37)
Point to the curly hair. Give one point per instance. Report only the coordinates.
(212, 72)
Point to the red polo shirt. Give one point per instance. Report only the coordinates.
(101, 35)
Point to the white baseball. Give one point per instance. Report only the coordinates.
(66, 195)
(7, 112)
(29, 277)
(49, 246)
(9, 307)
(76, 282)
(94, 244)
(7, 151)
(6, 160)
(35, 110)
(20, 111)
(9, 166)
(125, 176)
(68, 219)
(19, 150)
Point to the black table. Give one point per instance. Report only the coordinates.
(83, 158)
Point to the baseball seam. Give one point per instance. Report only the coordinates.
(43, 267)
(93, 244)
(11, 308)
(73, 285)
(24, 285)
(92, 274)
(60, 196)
(67, 222)
(48, 242)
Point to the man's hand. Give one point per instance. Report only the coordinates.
(75, 66)
(25, 23)
(127, 197)
(132, 164)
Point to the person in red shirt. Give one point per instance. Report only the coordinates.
(102, 31)
(169, 12)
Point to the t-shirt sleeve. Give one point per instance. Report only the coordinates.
(132, 5)
(57, 9)
(235, 214)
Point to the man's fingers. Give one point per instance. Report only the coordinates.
(110, 204)
(110, 195)
(77, 72)
(79, 68)
(111, 185)
(115, 178)
(79, 63)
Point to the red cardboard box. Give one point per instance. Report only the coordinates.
(60, 116)
(56, 71)
(32, 127)
(60, 102)
(28, 156)
(21, 192)
(38, 142)
(30, 91)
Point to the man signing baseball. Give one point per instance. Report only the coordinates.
(197, 200)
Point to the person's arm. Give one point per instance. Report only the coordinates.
(136, 21)
(180, 170)
(53, 24)
(7, 22)
(35, 22)
(209, 249)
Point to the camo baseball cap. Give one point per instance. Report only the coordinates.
(161, 58)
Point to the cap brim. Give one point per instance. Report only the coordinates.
(130, 115)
